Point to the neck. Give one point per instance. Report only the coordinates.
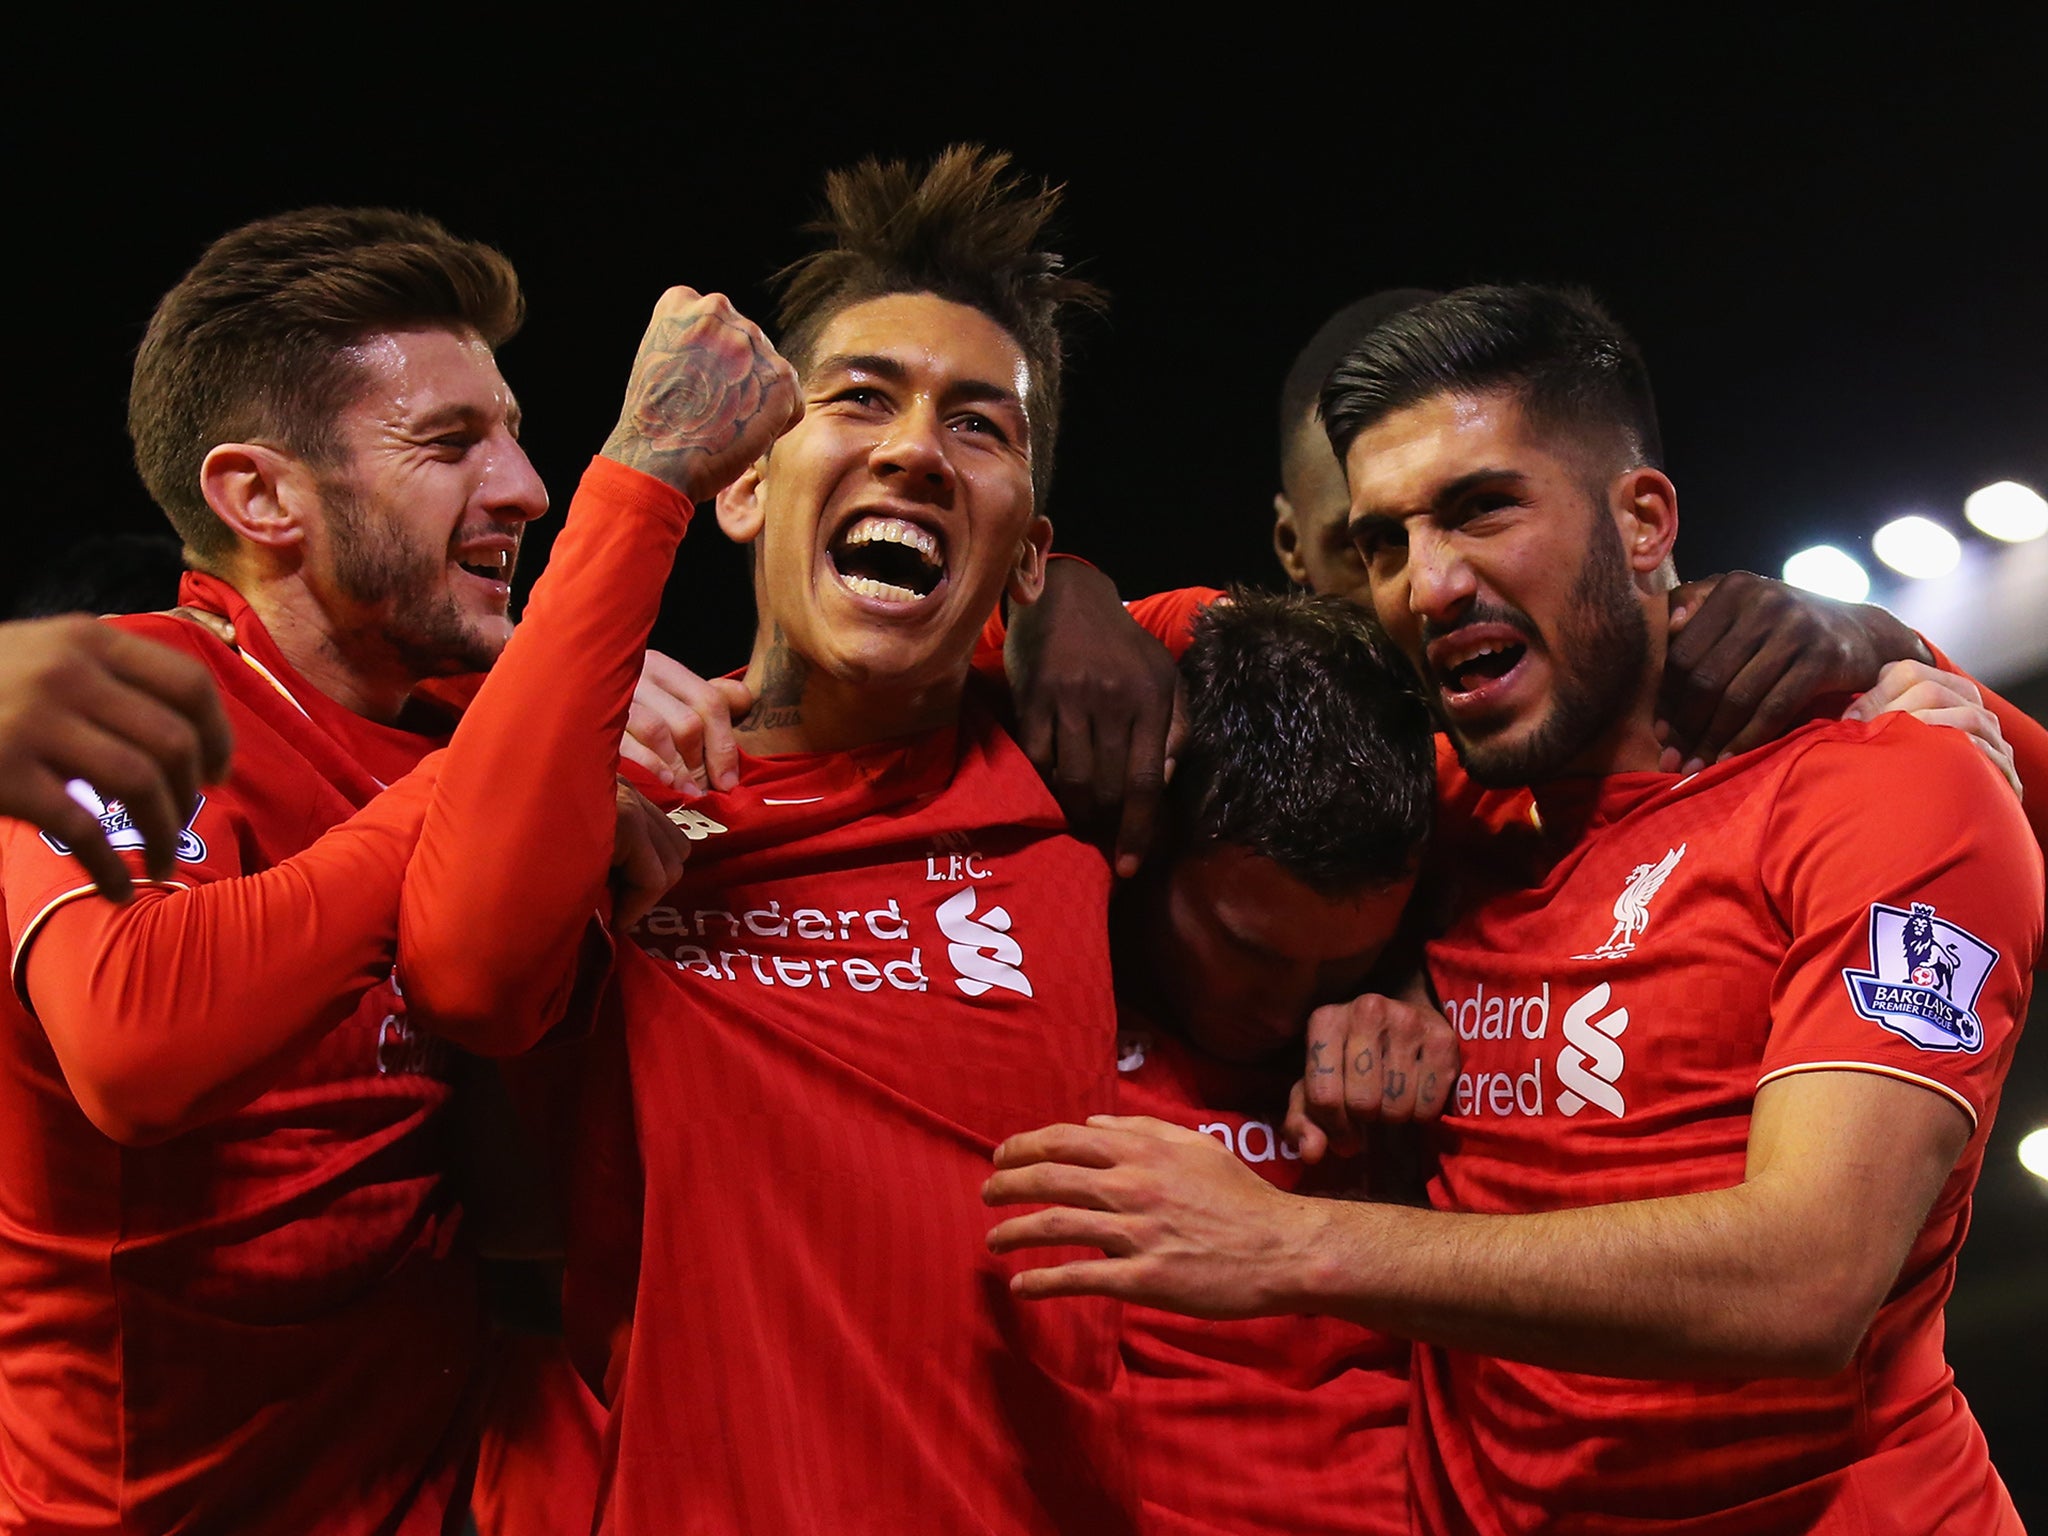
(799, 707)
(1630, 744)
(356, 669)
(1631, 747)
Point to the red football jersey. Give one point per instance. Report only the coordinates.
(1296, 1426)
(879, 964)
(1629, 970)
(260, 1324)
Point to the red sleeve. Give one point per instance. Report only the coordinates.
(1900, 865)
(517, 844)
(1170, 616)
(2028, 739)
(184, 1003)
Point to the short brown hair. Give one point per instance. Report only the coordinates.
(252, 344)
(962, 228)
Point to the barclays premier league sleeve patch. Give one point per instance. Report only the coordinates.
(1924, 978)
(122, 833)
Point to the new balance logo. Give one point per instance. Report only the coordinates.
(1591, 1061)
(695, 825)
(1632, 909)
(980, 946)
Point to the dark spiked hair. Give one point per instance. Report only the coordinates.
(963, 228)
(1307, 741)
(1566, 361)
(253, 343)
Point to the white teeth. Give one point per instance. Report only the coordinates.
(1466, 658)
(893, 530)
(889, 592)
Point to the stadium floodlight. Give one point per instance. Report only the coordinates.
(1918, 547)
(2034, 1153)
(1831, 573)
(2009, 511)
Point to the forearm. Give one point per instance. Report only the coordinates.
(517, 844)
(1695, 1285)
(1778, 1275)
(184, 1004)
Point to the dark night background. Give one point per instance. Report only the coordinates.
(1828, 238)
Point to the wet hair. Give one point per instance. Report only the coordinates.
(1565, 360)
(1333, 339)
(1307, 743)
(962, 228)
(253, 344)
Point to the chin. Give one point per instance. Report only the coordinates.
(1509, 759)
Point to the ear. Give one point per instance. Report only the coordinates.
(740, 509)
(1027, 576)
(1287, 540)
(1645, 506)
(266, 497)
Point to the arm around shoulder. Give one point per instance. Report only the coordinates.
(187, 1002)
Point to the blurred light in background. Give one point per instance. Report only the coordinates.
(1826, 570)
(2009, 511)
(1916, 546)
(2034, 1153)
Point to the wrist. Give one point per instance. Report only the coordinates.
(1318, 1269)
(1894, 640)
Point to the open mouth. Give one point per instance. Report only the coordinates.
(491, 565)
(889, 559)
(1488, 664)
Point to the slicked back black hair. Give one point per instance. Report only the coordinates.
(1308, 741)
(963, 228)
(1567, 362)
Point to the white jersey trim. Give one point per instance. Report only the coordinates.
(1903, 1076)
(34, 926)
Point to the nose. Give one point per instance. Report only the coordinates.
(1440, 582)
(511, 486)
(913, 452)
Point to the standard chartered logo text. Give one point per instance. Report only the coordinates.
(722, 944)
(1587, 1067)
(864, 948)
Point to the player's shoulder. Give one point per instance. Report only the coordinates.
(194, 631)
(1896, 760)
(1169, 616)
(1897, 788)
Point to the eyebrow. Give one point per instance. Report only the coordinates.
(883, 366)
(1446, 493)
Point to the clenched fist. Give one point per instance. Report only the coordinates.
(707, 397)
